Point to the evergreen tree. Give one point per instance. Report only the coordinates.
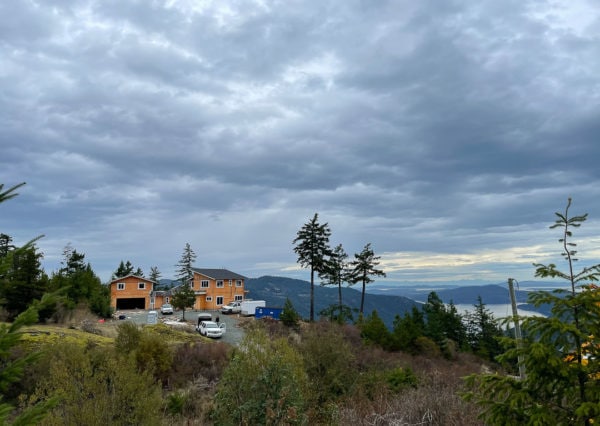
(560, 352)
(408, 329)
(81, 284)
(289, 316)
(184, 267)
(155, 275)
(10, 192)
(312, 248)
(72, 262)
(184, 298)
(5, 245)
(25, 281)
(483, 331)
(443, 324)
(374, 330)
(11, 366)
(363, 268)
(123, 270)
(340, 314)
(336, 271)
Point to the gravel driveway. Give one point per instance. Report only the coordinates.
(233, 334)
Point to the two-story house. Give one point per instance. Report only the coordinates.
(131, 292)
(216, 287)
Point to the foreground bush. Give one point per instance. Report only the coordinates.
(264, 384)
(95, 387)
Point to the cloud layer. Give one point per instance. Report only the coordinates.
(446, 135)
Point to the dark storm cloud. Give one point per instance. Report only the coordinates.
(421, 127)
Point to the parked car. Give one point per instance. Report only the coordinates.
(166, 309)
(210, 329)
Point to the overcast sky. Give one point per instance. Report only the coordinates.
(444, 133)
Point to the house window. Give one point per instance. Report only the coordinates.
(219, 300)
(209, 298)
(229, 283)
(238, 283)
(141, 286)
(220, 284)
(238, 298)
(204, 284)
(120, 286)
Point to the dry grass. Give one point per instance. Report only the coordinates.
(435, 401)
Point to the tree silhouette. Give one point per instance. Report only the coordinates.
(312, 248)
(363, 268)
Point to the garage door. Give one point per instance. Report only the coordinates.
(132, 303)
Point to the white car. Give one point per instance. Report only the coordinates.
(211, 329)
(166, 309)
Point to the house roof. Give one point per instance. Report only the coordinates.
(218, 274)
(132, 276)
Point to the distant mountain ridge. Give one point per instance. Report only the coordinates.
(274, 290)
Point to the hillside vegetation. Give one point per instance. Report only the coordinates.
(172, 377)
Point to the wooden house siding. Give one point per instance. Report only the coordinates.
(131, 292)
(208, 298)
(215, 296)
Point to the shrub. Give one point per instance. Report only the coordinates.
(328, 362)
(427, 346)
(401, 378)
(153, 354)
(128, 337)
(198, 360)
(263, 384)
(95, 387)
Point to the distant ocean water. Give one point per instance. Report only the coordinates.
(499, 311)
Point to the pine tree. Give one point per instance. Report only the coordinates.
(443, 324)
(289, 316)
(184, 267)
(483, 331)
(123, 270)
(560, 352)
(374, 330)
(312, 248)
(408, 329)
(81, 284)
(363, 268)
(25, 281)
(184, 297)
(336, 271)
(11, 367)
(154, 274)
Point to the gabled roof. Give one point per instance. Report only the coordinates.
(133, 276)
(218, 274)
